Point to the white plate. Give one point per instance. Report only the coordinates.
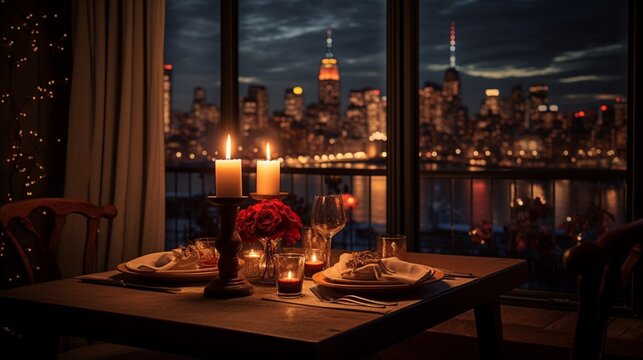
(374, 287)
(333, 275)
(133, 265)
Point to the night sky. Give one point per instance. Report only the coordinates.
(578, 48)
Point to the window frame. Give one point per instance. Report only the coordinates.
(402, 64)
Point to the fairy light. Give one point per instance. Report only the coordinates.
(20, 44)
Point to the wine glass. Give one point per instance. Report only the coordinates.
(328, 218)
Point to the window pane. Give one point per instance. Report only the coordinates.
(192, 36)
(312, 80)
(526, 102)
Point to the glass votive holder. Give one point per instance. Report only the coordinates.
(315, 261)
(250, 268)
(391, 246)
(208, 254)
(290, 274)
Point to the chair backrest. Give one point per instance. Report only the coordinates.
(603, 270)
(17, 218)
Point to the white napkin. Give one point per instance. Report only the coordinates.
(163, 261)
(391, 270)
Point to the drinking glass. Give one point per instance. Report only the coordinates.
(328, 218)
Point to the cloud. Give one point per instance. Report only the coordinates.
(574, 79)
(249, 79)
(509, 71)
(578, 54)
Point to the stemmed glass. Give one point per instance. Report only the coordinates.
(328, 218)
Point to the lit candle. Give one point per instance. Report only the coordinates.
(268, 175)
(228, 175)
(289, 285)
(313, 264)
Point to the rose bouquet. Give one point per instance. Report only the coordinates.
(269, 219)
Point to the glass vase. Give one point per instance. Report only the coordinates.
(267, 268)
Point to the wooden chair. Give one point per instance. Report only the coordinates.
(603, 268)
(33, 219)
(30, 217)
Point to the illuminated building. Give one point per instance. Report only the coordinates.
(167, 97)
(294, 103)
(328, 86)
(538, 95)
(491, 104)
(260, 95)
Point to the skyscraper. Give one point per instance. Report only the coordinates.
(260, 95)
(294, 103)
(538, 96)
(167, 97)
(328, 87)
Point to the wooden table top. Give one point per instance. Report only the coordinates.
(191, 324)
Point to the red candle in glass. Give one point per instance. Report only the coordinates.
(289, 286)
(311, 267)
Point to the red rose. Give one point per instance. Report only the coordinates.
(270, 219)
(268, 222)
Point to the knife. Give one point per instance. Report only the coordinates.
(122, 283)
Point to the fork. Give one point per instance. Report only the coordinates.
(319, 293)
(344, 301)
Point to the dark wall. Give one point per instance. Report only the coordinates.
(35, 78)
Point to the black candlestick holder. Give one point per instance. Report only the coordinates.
(228, 244)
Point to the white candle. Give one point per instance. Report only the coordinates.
(228, 175)
(268, 172)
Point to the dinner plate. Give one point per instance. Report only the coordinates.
(372, 288)
(333, 276)
(133, 265)
(168, 276)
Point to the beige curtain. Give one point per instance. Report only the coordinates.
(115, 139)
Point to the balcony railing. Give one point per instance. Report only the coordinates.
(532, 214)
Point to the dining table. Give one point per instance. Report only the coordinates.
(190, 324)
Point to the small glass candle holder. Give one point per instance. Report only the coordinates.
(315, 261)
(208, 254)
(290, 274)
(391, 246)
(251, 264)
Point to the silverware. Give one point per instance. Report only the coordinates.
(122, 283)
(349, 299)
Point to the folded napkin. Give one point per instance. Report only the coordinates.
(390, 269)
(163, 261)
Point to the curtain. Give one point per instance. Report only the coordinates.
(115, 145)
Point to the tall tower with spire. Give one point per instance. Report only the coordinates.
(328, 86)
(452, 84)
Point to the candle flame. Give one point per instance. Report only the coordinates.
(290, 275)
(267, 151)
(314, 258)
(227, 148)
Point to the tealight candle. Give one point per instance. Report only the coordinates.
(268, 172)
(251, 260)
(290, 274)
(314, 262)
(228, 175)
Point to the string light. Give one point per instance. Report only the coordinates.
(20, 43)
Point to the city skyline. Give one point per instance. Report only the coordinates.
(581, 74)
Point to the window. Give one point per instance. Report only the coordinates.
(192, 87)
(523, 129)
(312, 82)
